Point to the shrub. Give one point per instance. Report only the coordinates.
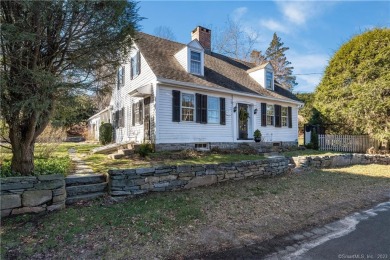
(145, 149)
(314, 140)
(257, 134)
(56, 165)
(105, 133)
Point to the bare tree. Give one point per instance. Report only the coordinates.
(164, 32)
(235, 41)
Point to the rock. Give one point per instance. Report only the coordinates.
(18, 179)
(56, 207)
(59, 191)
(84, 189)
(36, 197)
(85, 179)
(25, 210)
(145, 171)
(59, 198)
(5, 212)
(10, 201)
(201, 181)
(17, 185)
(49, 185)
(50, 177)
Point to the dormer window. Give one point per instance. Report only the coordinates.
(195, 66)
(269, 80)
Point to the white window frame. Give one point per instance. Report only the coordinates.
(199, 62)
(284, 118)
(134, 65)
(269, 80)
(184, 107)
(270, 116)
(218, 110)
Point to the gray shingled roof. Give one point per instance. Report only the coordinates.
(220, 72)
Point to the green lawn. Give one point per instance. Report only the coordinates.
(308, 152)
(101, 163)
(175, 224)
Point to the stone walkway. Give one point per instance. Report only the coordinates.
(81, 167)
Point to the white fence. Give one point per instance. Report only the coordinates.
(344, 143)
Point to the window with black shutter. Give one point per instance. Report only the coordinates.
(120, 118)
(289, 117)
(175, 106)
(278, 116)
(201, 108)
(133, 114)
(263, 114)
(141, 112)
(222, 111)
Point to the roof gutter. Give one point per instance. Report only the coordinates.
(98, 113)
(196, 86)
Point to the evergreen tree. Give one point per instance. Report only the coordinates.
(50, 49)
(354, 93)
(275, 54)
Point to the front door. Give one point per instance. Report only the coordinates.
(147, 119)
(243, 115)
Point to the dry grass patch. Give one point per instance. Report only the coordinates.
(173, 225)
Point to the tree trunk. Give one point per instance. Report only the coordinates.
(22, 150)
(23, 157)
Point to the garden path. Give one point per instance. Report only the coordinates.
(80, 165)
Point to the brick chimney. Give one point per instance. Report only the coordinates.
(203, 35)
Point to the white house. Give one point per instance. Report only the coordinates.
(185, 96)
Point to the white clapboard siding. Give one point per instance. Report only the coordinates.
(121, 98)
(344, 143)
(182, 132)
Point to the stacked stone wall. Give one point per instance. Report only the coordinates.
(165, 178)
(33, 194)
(339, 160)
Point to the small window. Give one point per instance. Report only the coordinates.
(138, 113)
(135, 65)
(269, 81)
(213, 112)
(195, 63)
(284, 116)
(270, 115)
(121, 76)
(202, 146)
(187, 107)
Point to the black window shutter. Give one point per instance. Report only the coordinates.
(263, 114)
(141, 111)
(175, 106)
(278, 116)
(133, 115)
(198, 102)
(204, 109)
(222, 111)
(139, 62)
(289, 115)
(117, 119)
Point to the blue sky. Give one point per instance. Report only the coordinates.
(313, 30)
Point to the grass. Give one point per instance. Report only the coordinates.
(308, 152)
(176, 224)
(101, 163)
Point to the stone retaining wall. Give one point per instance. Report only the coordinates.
(339, 160)
(165, 178)
(32, 194)
(262, 147)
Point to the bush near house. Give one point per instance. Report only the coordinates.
(105, 133)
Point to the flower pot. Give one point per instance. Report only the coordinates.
(257, 139)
